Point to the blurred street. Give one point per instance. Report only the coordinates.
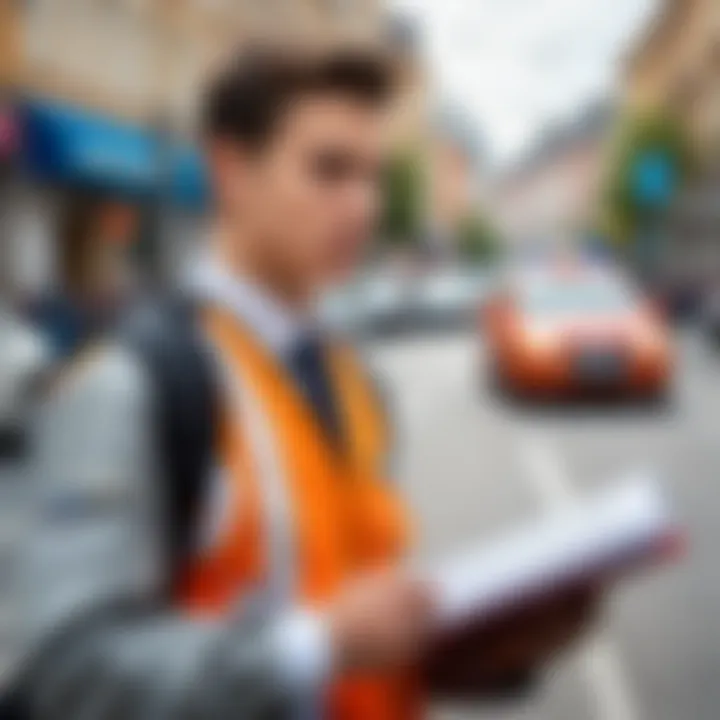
(472, 464)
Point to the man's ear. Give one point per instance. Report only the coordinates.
(228, 165)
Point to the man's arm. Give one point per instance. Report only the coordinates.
(501, 662)
(104, 642)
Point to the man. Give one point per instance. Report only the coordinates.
(290, 602)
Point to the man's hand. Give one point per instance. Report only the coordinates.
(494, 656)
(381, 621)
(387, 620)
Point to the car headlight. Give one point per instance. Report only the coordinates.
(539, 342)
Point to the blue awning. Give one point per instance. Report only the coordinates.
(66, 144)
(62, 143)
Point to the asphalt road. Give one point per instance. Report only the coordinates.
(472, 465)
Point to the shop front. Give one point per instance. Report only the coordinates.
(89, 160)
(97, 196)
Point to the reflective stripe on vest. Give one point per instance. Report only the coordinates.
(249, 418)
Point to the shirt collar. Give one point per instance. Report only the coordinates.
(277, 325)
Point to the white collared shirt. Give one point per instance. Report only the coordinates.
(277, 325)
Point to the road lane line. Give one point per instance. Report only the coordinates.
(600, 660)
(607, 679)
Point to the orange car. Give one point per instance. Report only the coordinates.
(580, 332)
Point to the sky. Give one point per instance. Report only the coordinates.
(515, 66)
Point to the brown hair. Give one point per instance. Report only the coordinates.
(248, 98)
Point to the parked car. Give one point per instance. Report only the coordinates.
(450, 299)
(386, 300)
(562, 331)
(377, 302)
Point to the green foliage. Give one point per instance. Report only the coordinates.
(404, 191)
(623, 213)
(478, 241)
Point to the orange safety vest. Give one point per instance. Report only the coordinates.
(344, 517)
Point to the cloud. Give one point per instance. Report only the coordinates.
(516, 65)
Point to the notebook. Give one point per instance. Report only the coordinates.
(616, 530)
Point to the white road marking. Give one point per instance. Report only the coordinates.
(611, 692)
(608, 681)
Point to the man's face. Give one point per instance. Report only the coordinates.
(307, 202)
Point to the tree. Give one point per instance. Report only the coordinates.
(404, 193)
(478, 242)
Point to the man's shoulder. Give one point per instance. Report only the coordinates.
(118, 365)
(102, 377)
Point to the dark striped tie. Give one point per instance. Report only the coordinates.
(308, 364)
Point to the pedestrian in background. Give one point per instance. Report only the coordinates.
(96, 280)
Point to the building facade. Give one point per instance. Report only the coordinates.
(550, 197)
(410, 121)
(143, 58)
(675, 68)
(455, 175)
(10, 41)
(106, 93)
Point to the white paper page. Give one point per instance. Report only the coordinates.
(614, 526)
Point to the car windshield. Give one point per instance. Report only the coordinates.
(594, 297)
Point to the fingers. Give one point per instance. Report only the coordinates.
(382, 620)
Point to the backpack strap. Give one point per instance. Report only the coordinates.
(166, 337)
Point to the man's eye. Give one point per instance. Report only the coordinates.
(332, 167)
